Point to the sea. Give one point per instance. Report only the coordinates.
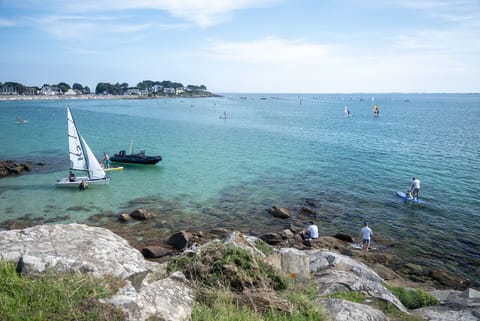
(288, 150)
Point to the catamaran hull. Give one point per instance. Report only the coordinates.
(65, 182)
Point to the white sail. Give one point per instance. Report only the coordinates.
(76, 153)
(95, 171)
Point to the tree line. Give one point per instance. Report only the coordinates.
(102, 87)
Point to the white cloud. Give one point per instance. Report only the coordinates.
(270, 50)
(202, 13)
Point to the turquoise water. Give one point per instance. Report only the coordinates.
(272, 149)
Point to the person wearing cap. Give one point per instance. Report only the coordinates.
(415, 187)
(366, 236)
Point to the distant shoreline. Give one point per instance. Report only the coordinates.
(98, 97)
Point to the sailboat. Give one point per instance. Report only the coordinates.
(346, 112)
(81, 159)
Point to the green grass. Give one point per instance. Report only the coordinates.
(55, 297)
(350, 296)
(413, 298)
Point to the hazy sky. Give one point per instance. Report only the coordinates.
(316, 46)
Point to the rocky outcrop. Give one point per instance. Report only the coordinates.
(8, 167)
(455, 305)
(343, 310)
(100, 252)
(151, 294)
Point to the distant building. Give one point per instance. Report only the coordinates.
(179, 90)
(48, 90)
(8, 90)
(169, 91)
(71, 92)
(156, 88)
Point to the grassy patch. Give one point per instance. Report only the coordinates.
(55, 297)
(219, 265)
(413, 298)
(350, 296)
(394, 313)
(263, 247)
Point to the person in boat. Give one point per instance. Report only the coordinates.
(375, 110)
(415, 187)
(106, 161)
(71, 177)
(83, 185)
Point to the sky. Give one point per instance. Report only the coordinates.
(265, 46)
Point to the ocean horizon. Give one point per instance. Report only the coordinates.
(272, 149)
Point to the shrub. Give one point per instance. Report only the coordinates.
(413, 298)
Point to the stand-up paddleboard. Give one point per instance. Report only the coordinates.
(120, 168)
(414, 200)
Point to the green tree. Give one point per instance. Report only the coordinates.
(78, 87)
(63, 87)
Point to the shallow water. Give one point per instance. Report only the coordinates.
(281, 150)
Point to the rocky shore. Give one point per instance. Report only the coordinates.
(9, 167)
(150, 292)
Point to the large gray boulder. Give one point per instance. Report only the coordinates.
(343, 310)
(337, 273)
(292, 262)
(71, 248)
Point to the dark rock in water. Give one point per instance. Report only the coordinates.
(279, 212)
(124, 217)
(308, 211)
(8, 167)
(344, 237)
(155, 251)
(448, 279)
(142, 214)
(180, 240)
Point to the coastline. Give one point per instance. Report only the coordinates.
(99, 97)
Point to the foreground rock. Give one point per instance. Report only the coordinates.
(149, 292)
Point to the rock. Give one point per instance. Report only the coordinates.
(448, 279)
(124, 217)
(344, 237)
(71, 248)
(168, 299)
(245, 242)
(308, 212)
(272, 238)
(180, 240)
(153, 251)
(343, 310)
(286, 234)
(279, 212)
(385, 273)
(290, 261)
(142, 214)
(8, 167)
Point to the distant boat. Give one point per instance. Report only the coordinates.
(135, 158)
(376, 111)
(21, 121)
(224, 116)
(81, 159)
(346, 112)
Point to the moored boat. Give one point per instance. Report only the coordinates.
(137, 158)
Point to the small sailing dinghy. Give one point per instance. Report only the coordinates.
(81, 159)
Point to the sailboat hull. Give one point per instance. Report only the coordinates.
(65, 182)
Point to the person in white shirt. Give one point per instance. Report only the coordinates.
(366, 236)
(415, 187)
(313, 231)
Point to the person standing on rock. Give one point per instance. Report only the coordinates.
(366, 236)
